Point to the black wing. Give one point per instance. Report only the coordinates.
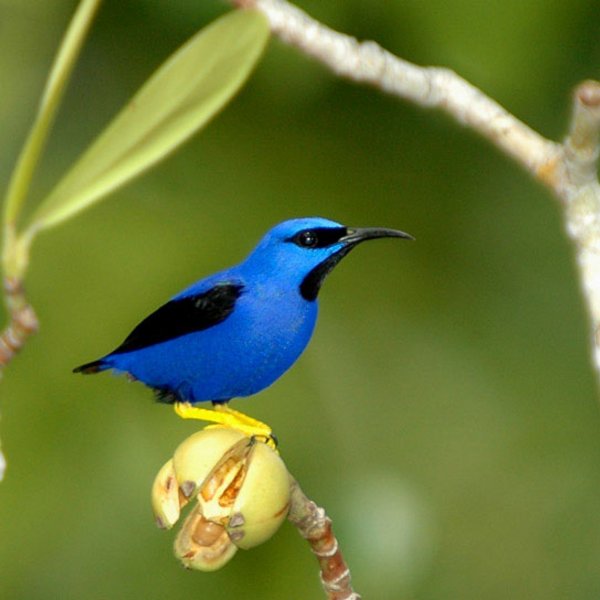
(176, 318)
(182, 316)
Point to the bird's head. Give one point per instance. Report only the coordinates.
(302, 252)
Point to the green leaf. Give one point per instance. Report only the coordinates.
(53, 92)
(181, 96)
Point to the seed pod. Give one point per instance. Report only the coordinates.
(242, 490)
(202, 544)
(196, 456)
(263, 500)
(165, 497)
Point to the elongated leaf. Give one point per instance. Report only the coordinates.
(181, 96)
(55, 86)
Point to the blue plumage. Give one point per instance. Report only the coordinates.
(234, 333)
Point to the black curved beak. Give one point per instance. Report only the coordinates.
(311, 284)
(355, 235)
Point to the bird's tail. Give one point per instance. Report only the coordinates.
(92, 367)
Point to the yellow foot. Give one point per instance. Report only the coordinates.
(225, 416)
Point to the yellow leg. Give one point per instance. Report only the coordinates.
(227, 417)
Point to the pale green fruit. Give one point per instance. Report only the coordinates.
(242, 489)
(165, 497)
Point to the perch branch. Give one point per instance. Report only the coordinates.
(315, 526)
(569, 169)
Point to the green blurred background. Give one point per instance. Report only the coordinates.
(445, 412)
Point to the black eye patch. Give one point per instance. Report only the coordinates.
(318, 237)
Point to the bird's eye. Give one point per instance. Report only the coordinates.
(307, 239)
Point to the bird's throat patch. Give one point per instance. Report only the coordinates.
(311, 284)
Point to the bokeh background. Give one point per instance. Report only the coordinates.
(445, 412)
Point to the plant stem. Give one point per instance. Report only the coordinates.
(22, 324)
(315, 526)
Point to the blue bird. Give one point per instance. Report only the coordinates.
(234, 333)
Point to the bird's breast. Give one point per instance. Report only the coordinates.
(272, 329)
(278, 320)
